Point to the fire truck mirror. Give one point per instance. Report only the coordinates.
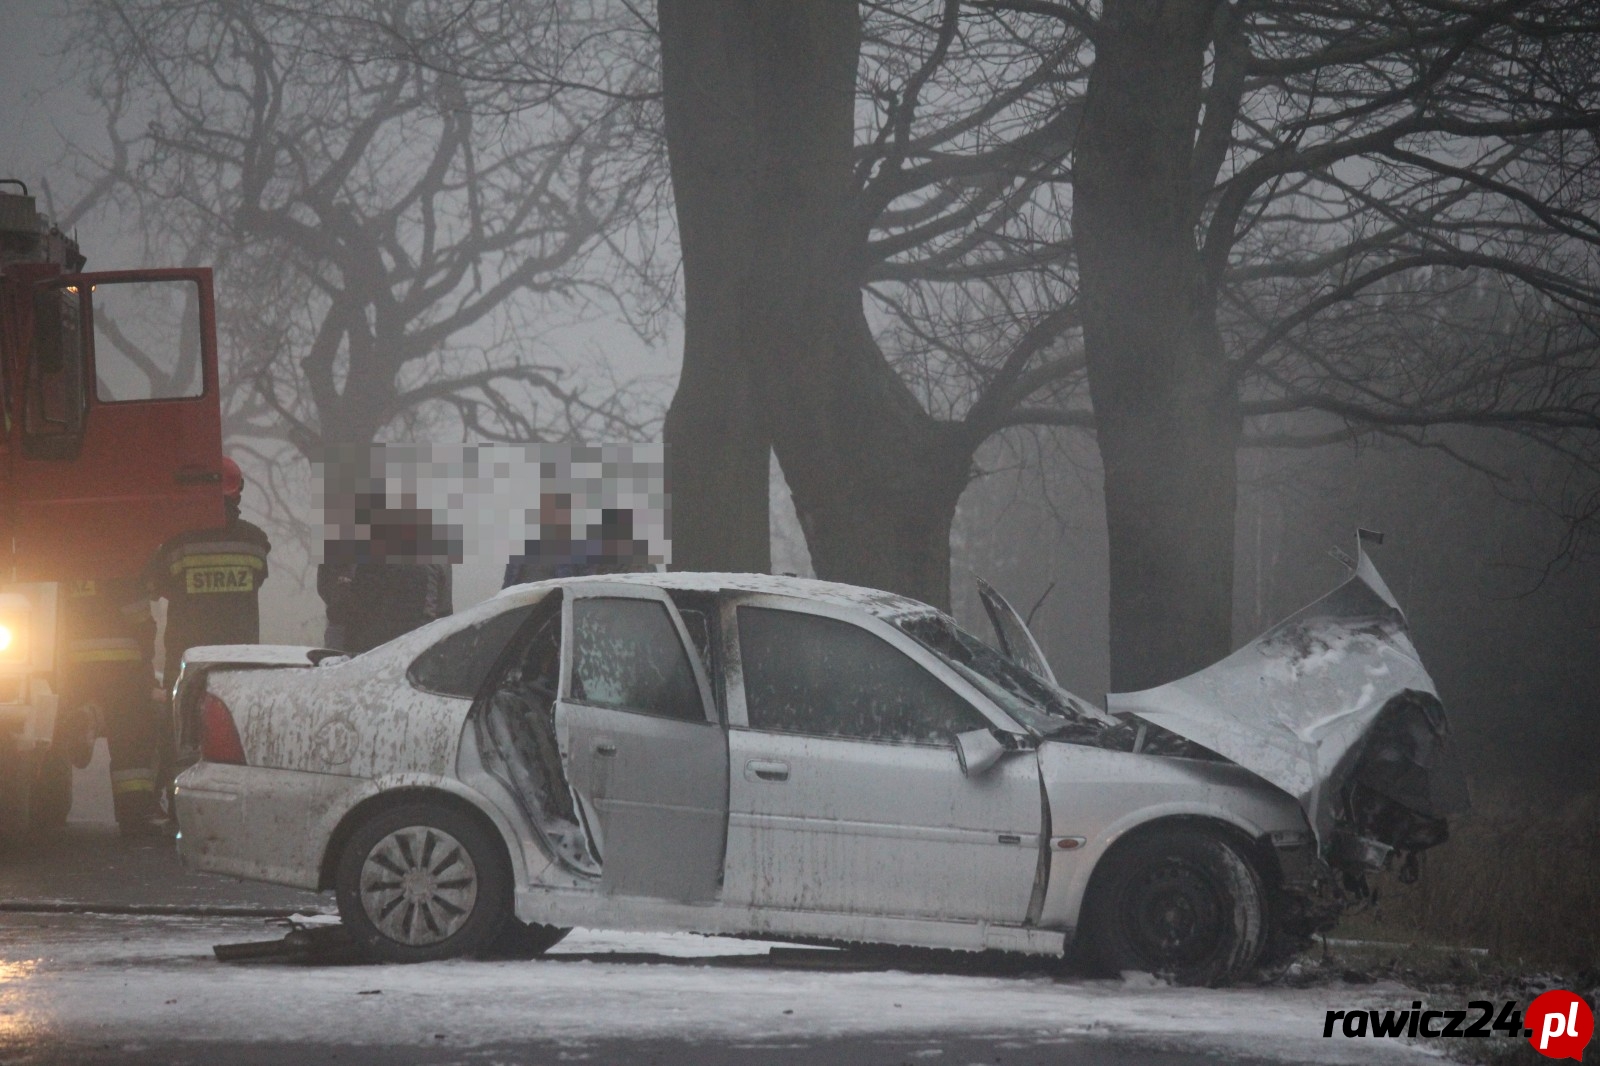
(53, 319)
(56, 403)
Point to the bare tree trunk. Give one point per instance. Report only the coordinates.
(760, 99)
(1165, 407)
(875, 480)
(718, 446)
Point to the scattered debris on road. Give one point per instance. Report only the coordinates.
(316, 939)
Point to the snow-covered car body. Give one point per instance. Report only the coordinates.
(719, 753)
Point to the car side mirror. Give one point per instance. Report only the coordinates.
(978, 750)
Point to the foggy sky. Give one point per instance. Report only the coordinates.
(1521, 673)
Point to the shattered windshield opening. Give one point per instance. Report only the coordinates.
(1039, 706)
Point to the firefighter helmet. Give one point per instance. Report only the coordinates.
(232, 478)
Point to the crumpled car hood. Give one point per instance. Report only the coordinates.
(1296, 705)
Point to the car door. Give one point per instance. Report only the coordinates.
(641, 744)
(845, 792)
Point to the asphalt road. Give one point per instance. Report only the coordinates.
(106, 958)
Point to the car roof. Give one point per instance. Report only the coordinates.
(873, 601)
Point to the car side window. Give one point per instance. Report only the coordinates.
(459, 664)
(627, 655)
(807, 674)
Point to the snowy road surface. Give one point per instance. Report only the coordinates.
(126, 988)
(102, 988)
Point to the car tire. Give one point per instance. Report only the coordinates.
(1181, 904)
(422, 882)
(523, 940)
(1291, 928)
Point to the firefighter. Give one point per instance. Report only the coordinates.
(110, 643)
(211, 580)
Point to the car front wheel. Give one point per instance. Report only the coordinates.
(422, 882)
(1183, 904)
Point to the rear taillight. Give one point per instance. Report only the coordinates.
(219, 737)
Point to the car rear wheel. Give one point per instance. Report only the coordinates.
(1183, 904)
(422, 882)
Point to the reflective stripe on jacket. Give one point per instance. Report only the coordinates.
(136, 780)
(105, 650)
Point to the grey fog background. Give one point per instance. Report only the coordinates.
(1510, 631)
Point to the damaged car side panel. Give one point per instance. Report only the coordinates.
(1098, 797)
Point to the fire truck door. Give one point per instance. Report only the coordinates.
(121, 436)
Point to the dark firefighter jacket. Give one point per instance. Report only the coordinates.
(211, 580)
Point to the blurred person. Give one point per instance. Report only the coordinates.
(553, 553)
(612, 550)
(619, 551)
(395, 580)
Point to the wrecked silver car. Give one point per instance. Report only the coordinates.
(748, 755)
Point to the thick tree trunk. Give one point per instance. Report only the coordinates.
(1165, 406)
(760, 124)
(875, 480)
(718, 445)
(717, 471)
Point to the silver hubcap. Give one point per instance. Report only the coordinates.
(418, 885)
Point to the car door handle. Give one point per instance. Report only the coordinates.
(605, 747)
(766, 770)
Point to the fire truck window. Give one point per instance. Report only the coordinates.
(146, 340)
(53, 413)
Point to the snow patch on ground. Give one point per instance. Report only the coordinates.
(140, 979)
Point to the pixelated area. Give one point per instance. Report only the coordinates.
(537, 507)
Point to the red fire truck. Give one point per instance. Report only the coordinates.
(112, 445)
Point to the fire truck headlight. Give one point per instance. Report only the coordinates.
(13, 631)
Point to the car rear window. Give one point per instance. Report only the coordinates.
(459, 664)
